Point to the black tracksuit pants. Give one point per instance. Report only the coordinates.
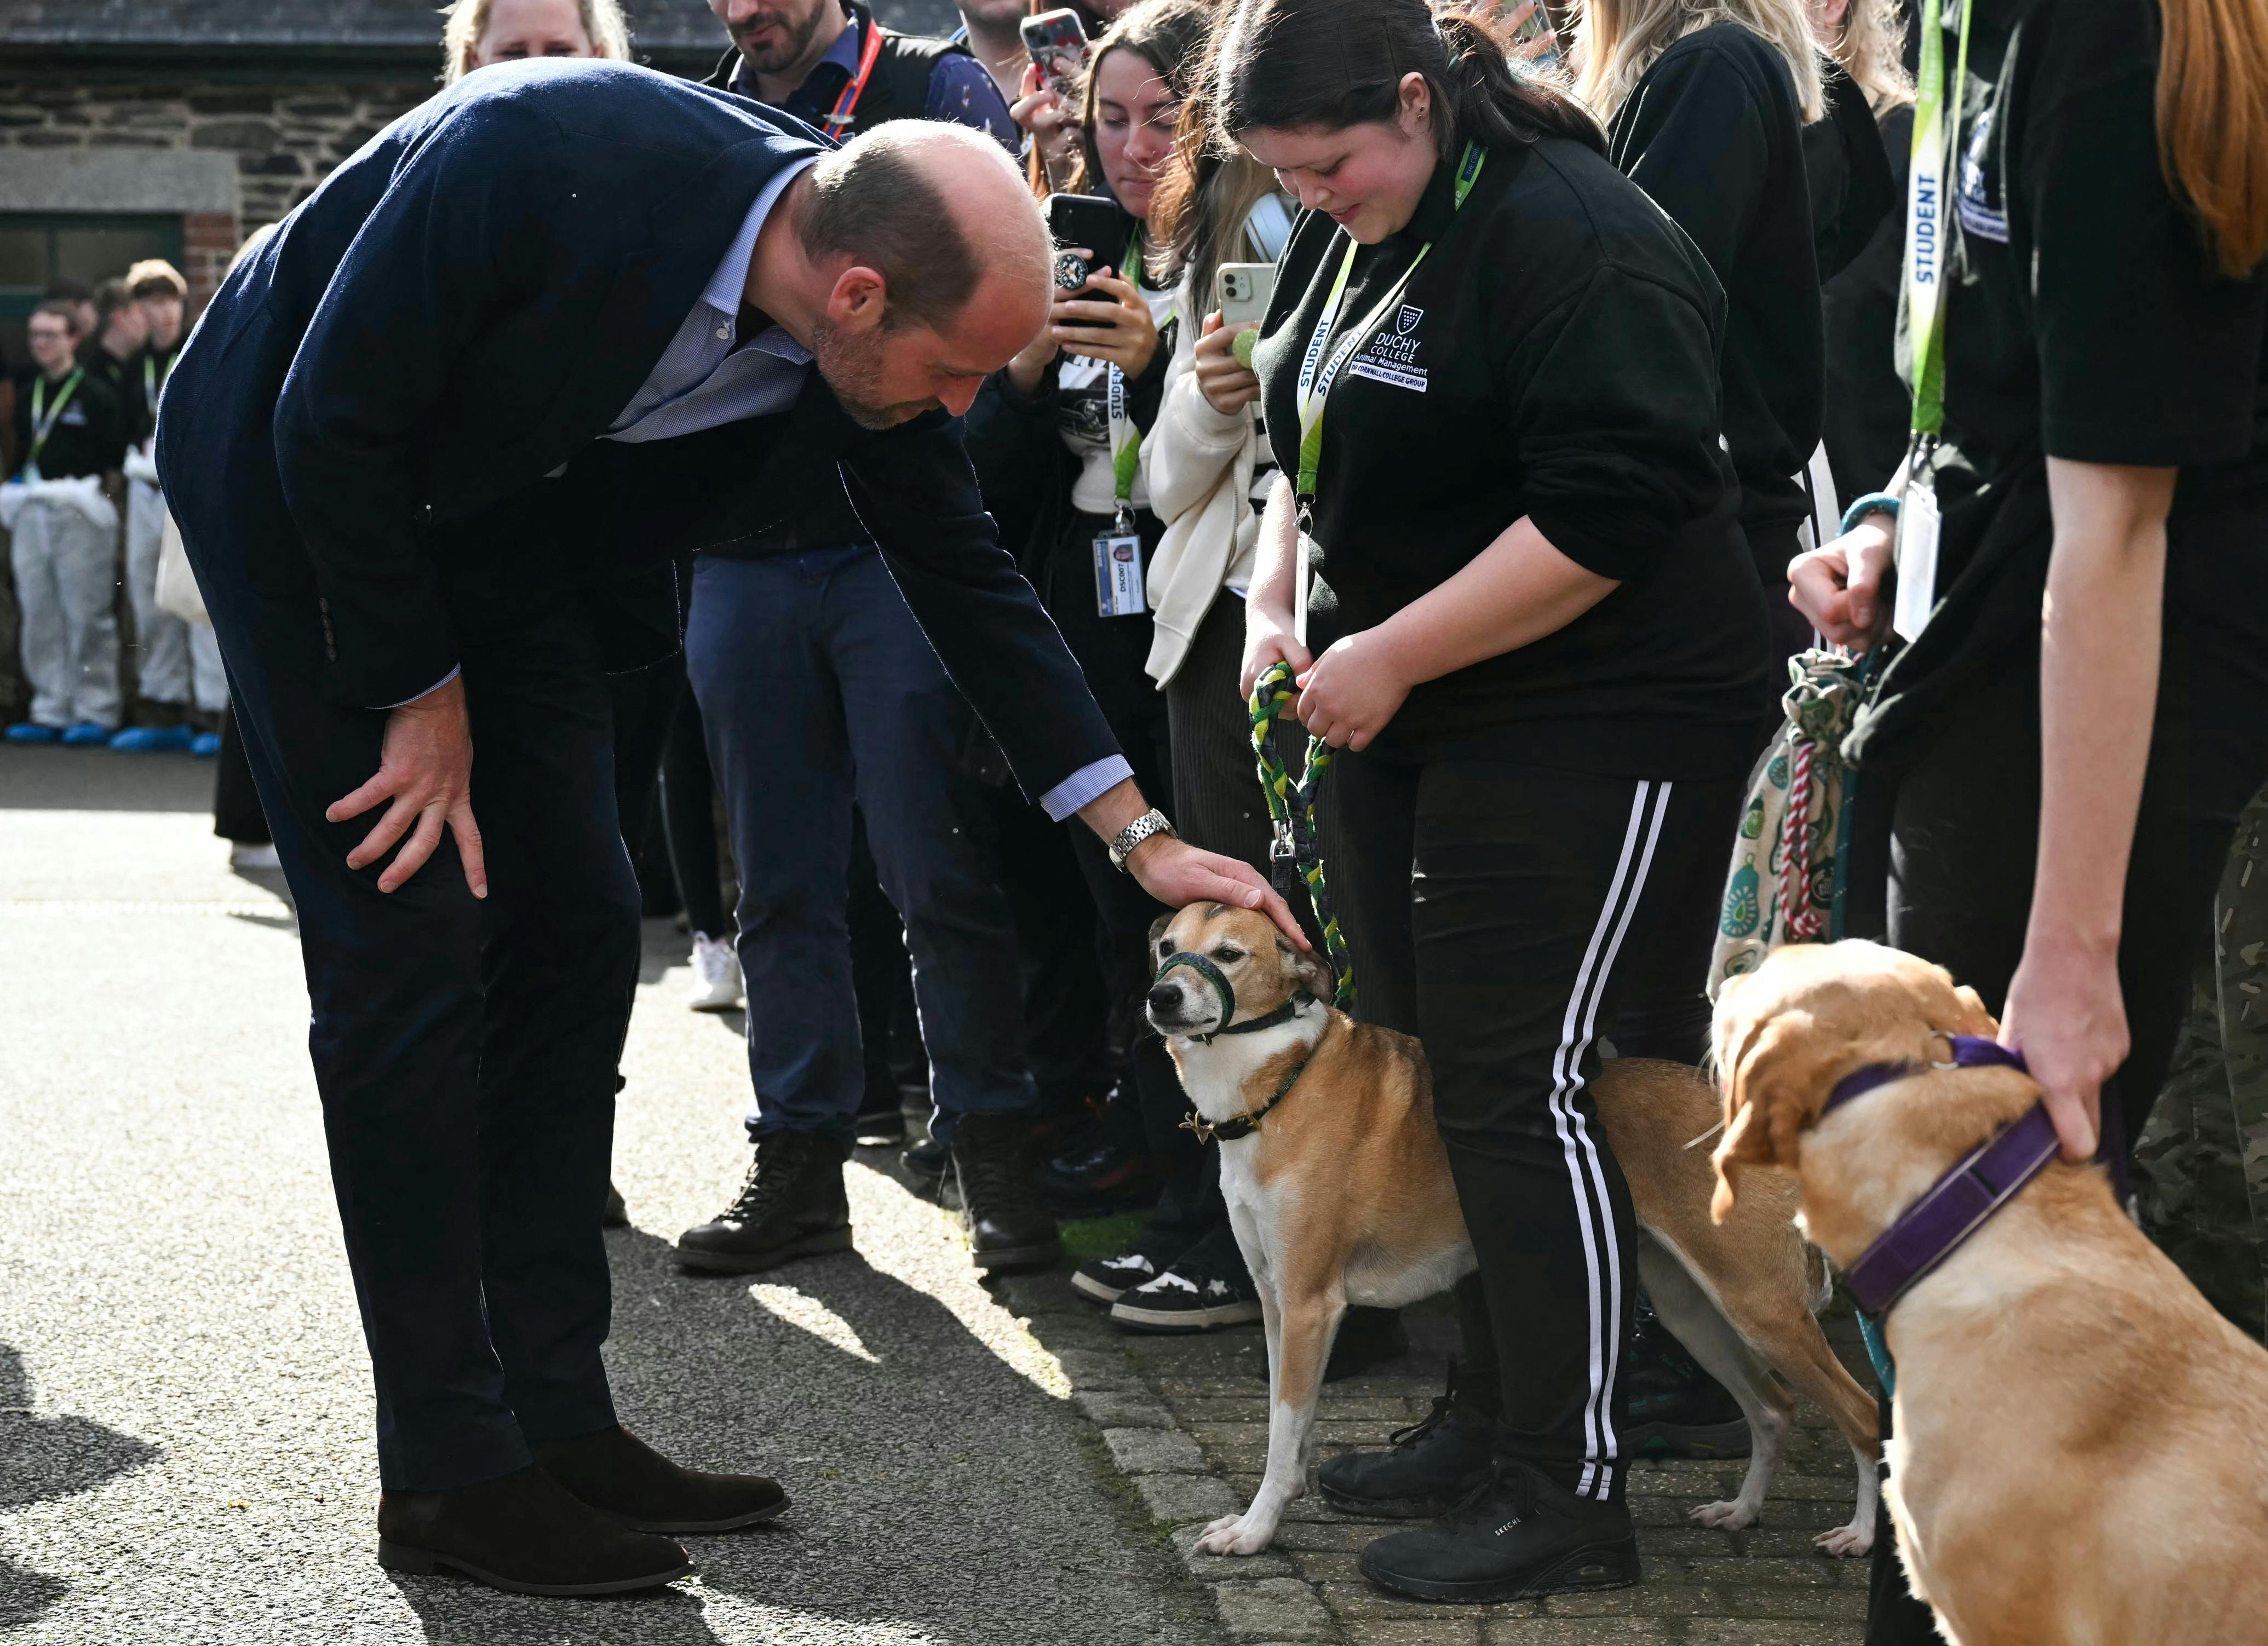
(1513, 917)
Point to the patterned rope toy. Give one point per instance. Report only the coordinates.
(1298, 849)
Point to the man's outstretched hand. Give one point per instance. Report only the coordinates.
(426, 770)
(1178, 874)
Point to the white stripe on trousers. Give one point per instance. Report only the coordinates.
(1594, 1211)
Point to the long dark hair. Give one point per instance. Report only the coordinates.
(1334, 63)
(1170, 36)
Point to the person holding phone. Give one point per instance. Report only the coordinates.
(1057, 439)
(1537, 642)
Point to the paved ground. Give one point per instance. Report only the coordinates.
(184, 1454)
(184, 1408)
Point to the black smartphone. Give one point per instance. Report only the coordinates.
(1056, 41)
(1088, 221)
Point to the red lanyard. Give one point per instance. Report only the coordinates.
(848, 102)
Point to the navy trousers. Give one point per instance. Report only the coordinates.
(818, 690)
(465, 1050)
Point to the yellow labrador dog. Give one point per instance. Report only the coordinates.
(1339, 1191)
(2081, 1445)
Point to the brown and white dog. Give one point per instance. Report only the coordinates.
(1342, 1195)
(2080, 1455)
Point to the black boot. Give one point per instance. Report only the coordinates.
(1428, 1466)
(525, 1533)
(791, 1205)
(1677, 1409)
(1008, 1227)
(1522, 1533)
(619, 1474)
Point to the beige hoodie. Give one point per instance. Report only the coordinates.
(1198, 467)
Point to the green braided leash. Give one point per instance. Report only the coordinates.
(1292, 811)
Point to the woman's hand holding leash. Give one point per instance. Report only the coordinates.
(1349, 694)
(1842, 585)
(426, 769)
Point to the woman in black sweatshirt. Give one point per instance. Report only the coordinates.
(1704, 106)
(1539, 645)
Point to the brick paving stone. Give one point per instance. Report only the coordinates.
(1430, 1632)
(1657, 1599)
(1111, 1409)
(1362, 1602)
(1766, 1632)
(1154, 1452)
(1274, 1609)
(1175, 1498)
(1580, 1632)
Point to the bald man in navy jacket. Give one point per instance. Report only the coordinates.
(456, 428)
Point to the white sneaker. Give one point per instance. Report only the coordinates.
(716, 975)
(253, 855)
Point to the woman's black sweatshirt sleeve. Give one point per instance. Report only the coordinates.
(1615, 419)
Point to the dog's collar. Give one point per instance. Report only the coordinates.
(1958, 1204)
(1244, 1125)
(1204, 967)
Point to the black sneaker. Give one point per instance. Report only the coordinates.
(1436, 1462)
(1008, 1227)
(1204, 1289)
(1104, 1280)
(881, 1122)
(1520, 1533)
(792, 1204)
(1677, 1409)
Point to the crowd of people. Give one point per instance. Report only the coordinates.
(1630, 400)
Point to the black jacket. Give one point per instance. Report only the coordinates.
(1713, 133)
(461, 310)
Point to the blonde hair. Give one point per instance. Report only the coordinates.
(2213, 123)
(1618, 40)
(1871, 49)
(467, 20)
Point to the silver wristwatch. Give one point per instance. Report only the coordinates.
(1150, 822)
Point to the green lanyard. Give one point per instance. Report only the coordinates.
(1314, 386)
(152, 383)
(1936, 135)
(43, 420)
(1125, 438)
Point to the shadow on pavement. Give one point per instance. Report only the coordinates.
(940, 1494)
(44, 1458)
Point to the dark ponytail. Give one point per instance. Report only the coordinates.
(1284, 63)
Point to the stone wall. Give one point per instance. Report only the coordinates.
(283, 137)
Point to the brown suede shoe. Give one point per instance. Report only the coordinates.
(619, 1474)
(524, 1532)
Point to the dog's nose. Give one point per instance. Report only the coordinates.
(1165, 998)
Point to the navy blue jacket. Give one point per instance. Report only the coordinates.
(371, 405)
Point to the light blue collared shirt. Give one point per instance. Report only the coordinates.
(706, 377)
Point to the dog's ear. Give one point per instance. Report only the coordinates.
(1309, 970)
(1974, 1018)
(1157, 933)
(1773, 1090)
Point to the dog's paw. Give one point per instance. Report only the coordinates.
(1730, 1516)
(1235, 1534)
(1849, 1543)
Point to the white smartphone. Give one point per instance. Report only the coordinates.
(1241, 291)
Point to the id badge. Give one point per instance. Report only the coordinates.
(1118, 575)
(1917, 560)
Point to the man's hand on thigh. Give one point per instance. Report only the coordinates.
(425, 768)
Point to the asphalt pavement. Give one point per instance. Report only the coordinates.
(185, 1411)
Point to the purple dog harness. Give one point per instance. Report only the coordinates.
(1933, 1228)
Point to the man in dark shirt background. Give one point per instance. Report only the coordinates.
(806, 57)
(817, 695)
(64, 530)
